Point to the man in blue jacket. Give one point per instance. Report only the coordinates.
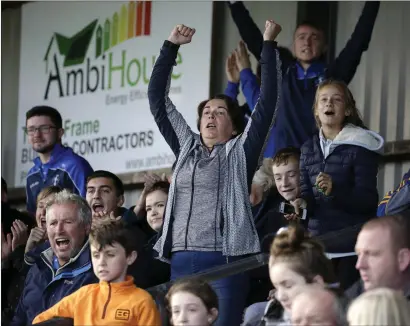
(295, 122)
(56, 164)
(64, 264)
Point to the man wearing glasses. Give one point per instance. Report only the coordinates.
(56, 164)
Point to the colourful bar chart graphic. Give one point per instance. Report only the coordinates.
(130, 21)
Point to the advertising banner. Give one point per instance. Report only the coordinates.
(92, 62)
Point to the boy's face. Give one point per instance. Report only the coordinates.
(287, 178)
(308, 44)
(110, 264)
(101, 196)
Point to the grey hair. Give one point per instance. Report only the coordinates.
(264, 176)
(66, 197)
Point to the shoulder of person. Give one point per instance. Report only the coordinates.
(308, 145)
(364, 153)
(354, 291)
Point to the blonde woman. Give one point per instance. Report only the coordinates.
(379, 307)
(39, 233)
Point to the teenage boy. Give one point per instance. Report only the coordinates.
(295, 121)
(283, 171)
(115, 299)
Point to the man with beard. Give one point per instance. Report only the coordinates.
(56, 165)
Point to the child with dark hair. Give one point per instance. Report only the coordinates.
(115, 299)
(156, 197)
(192, 302)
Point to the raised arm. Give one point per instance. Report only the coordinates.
(232, 75)
(249, 31)
(261, 121)
(345, 65)
(171, 123)
(250, 86)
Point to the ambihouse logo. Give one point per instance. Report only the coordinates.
(73, 68)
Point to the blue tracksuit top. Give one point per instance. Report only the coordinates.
(65, 169)
(295, 123)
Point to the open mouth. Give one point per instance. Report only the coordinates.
(210, 125)
(329, 113)
(97, 207)
(43, 222)
(62, 243)
(287, 190)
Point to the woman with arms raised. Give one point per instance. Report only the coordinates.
(208, 220)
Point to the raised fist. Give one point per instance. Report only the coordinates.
(272, 30)
(181, 34)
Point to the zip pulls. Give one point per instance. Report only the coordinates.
(108, 300)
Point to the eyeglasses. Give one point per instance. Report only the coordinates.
(42, 129)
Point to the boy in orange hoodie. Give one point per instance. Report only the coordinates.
(115, 300)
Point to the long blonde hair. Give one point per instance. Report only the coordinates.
(382, 307)
(350, 104)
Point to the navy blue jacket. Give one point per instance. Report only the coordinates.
(157, 272)
(44, 287)
(65, 169)
(354, 197)
(295, 122)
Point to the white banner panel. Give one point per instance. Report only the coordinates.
(92, 61)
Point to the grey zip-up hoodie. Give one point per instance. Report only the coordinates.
(238, 161)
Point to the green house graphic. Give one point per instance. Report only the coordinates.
(131, 21)
(74, 49)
